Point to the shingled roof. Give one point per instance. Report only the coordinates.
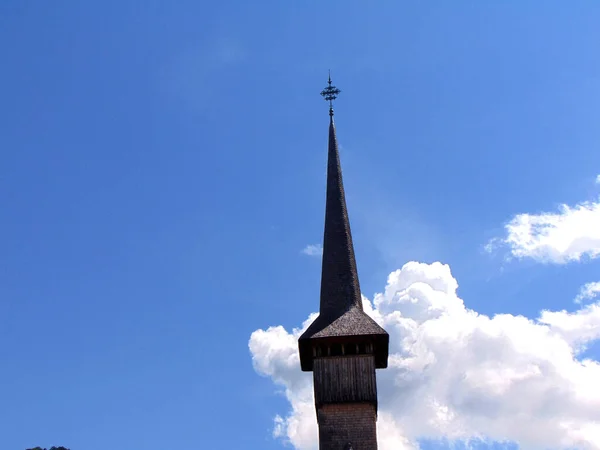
(341, 312)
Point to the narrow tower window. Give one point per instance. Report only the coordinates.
(336, 350)
(350, 349)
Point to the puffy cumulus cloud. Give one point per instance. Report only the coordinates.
(455, 374)
(560, 237)
(576, 328)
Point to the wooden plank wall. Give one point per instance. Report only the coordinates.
(345, 379)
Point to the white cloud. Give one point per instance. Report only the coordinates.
(567, 235)
(455, 374)
(598, 179)
(313, 250)
(588, 291)
(576, 328)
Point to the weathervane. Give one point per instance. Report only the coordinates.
(330, 93)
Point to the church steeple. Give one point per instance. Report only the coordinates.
(343, 346)
(340, 289)
(341, 313)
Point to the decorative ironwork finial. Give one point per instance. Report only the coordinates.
(330, 93)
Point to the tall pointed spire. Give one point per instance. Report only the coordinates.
(340, 289)
(341, 317)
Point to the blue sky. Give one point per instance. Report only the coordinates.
(162, 169)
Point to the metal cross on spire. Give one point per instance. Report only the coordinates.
(330, 93)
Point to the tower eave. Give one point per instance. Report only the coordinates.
(380, 343)
(354, 326)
